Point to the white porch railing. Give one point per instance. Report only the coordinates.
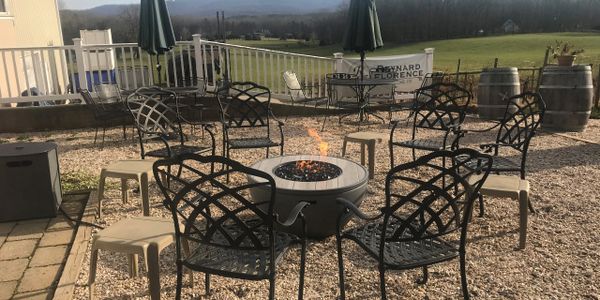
(56, 73)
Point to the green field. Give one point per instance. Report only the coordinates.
(519, 50)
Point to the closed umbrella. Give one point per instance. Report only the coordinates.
(156, 34)
(362, 31)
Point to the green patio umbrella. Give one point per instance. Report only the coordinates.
(156, 34)
(362, 31)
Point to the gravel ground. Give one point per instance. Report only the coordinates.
(560, 261)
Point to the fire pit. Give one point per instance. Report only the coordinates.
(321, 179)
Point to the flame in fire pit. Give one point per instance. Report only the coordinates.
(323, 146)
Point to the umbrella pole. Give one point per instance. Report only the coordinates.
(362, 64)
(158, 68)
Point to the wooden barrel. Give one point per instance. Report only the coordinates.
(568, 93)
(493, 84)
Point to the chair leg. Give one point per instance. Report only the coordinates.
(95, 136)
(101, 192)
(179, 281)
(423, 280)
(530, 205)
(272, 287)
(124, 188)
(523, 199)
(382, 282)
(186, 251)
(207, 283)
(481, 208)
(340, 268)
(92, 275)
(344, 144)
(391, 154)
(152, 263)
(103, 135)
(267, 152)
(463, 275)
(133, 265)
(302, 270)
(143, 182)
(124, 132)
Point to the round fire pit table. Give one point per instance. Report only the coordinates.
(320, 179)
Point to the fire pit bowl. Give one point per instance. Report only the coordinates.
(321, 179)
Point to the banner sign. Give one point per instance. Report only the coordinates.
(408, 70)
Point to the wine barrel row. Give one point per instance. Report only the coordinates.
(496, 85)
(568, 93)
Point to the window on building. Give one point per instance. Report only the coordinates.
(2, 6)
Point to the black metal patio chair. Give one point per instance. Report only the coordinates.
(246, 116)
(340, 97)
(219, 230)
(156, 119)
(442, 109)
(411, 103)
(426, 207)
(522, 117)
(300, 93)
(105, 112)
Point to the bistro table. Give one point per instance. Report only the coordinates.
(362, 87)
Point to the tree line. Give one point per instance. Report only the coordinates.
(400, 20)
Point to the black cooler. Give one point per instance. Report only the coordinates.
(29, 181)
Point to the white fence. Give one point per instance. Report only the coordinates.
(56, 73)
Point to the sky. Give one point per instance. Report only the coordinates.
(85, 4)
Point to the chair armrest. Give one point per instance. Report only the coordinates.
(355, 210)
(279, 123)
(482, 130)
(294, 213)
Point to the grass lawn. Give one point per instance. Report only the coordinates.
(519, 50)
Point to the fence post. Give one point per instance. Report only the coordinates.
(429, 60)
(197, 40)
(339, 62)
(457, 70)
(80, 63)
(597, 96)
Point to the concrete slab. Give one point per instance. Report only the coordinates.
(12, 269)
(45, 256)
(17, 249)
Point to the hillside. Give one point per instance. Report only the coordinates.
(519, 50)
(233, 7)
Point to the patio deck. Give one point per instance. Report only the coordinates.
(559, 261)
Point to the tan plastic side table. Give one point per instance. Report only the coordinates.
(140, 170)
(510, 187)
(368, 140)
(146, 236)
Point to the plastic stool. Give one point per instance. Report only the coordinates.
(511, 187)
(139, 170)
(146, 236)
(365, 139)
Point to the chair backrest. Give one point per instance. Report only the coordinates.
(97, 107)
(152, 115)
(293, 85)
(244, 104)
(523, 115)
(425, 200)
(108, 92)
(446, 105)
(212, 209)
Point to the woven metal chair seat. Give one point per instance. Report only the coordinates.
(252, 143)
(244, 262)
(423, 144)
(499, 164)
(402, 255)
(177, 150)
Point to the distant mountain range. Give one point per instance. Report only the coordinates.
(234, 7)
